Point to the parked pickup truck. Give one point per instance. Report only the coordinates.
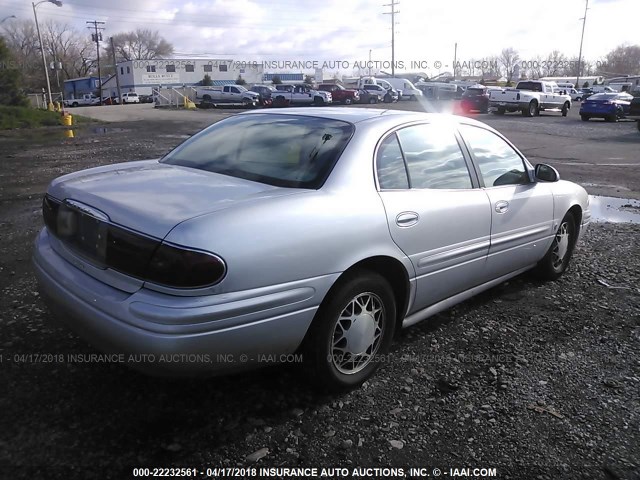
(529, 97)
(228, 94)
(84, 100)
(301, 94)
(340, 94)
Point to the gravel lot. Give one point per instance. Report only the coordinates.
(537, 380)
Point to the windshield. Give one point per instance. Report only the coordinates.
(282, 150)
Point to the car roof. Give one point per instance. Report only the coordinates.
(357, 115)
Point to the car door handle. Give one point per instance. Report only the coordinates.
(502, 206)
(407, 219)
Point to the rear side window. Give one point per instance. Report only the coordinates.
(392, 173)
(433, 157)
(283, 150)
(499, 163)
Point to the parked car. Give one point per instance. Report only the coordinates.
(634, 111)
(586, 93)
(610, 106)
(298, 230)
(146, 98)
(339, 94)
(110, 100)
(388, 95)
(265, 94)
(300, 95)
(236, 94)
(367, 96)
(404, 87)
(130, 97)
(529, 97)
(83, 100)
(476, 98)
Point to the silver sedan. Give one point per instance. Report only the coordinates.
(317, 232)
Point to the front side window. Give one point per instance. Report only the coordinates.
(283, 150)
(433, 157)
(499, 163)
(392, 173)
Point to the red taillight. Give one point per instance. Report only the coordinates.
(180, 267)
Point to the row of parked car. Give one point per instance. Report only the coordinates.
(530, 97)
(298, 94)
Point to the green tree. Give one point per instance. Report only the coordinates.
(308, 80)
(585, 85)
(240, 80)
(10, 93)
(276, 80)
(206, 81)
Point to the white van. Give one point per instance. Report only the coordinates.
(403, 85)
(565, 85)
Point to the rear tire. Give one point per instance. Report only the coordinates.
(531, 110)
(74, 104)
(318, 101)
(638, 125)
(556, 261)
(611, 118)
(347, 101)
(500, 111)
(373, 100)
(354, 324)
(584, 118)
(565, 109)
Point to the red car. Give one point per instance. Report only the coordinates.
(340, 94)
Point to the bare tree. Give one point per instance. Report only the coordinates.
(554, 64)
(509, 59)
(62, 44)
(143, 44)
(73, 49)
(490, 67)
(623, 60)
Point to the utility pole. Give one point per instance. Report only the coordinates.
(393, 13)
(97, 37)
(115, 65)
(455, 59)
(584, 20)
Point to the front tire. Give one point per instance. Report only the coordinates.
(354, 325)
(318, 101)
(348, 101)
(556, 261)
(565, 109)
(584, 118)
(373, 100)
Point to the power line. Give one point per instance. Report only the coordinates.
(393, 13)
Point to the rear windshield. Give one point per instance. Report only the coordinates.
(532, 86)
(283, 150)
(604, 96)
(474, 91)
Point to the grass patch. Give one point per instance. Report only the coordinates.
(25, 117)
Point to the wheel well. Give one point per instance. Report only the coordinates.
(576, 211)
(395, 273)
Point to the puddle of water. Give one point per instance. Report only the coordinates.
(104, 130)
(616, 210)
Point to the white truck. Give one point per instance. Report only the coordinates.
(228, 94)
(529, 97)
(84, 100)
(299, 94)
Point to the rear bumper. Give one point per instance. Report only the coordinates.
(179, 335)
(512, 106)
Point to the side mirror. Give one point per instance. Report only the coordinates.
(546, 173)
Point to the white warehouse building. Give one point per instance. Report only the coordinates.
(142, 76)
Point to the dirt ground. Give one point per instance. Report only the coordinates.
(536, 380)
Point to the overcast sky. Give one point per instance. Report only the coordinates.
(346, 30)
